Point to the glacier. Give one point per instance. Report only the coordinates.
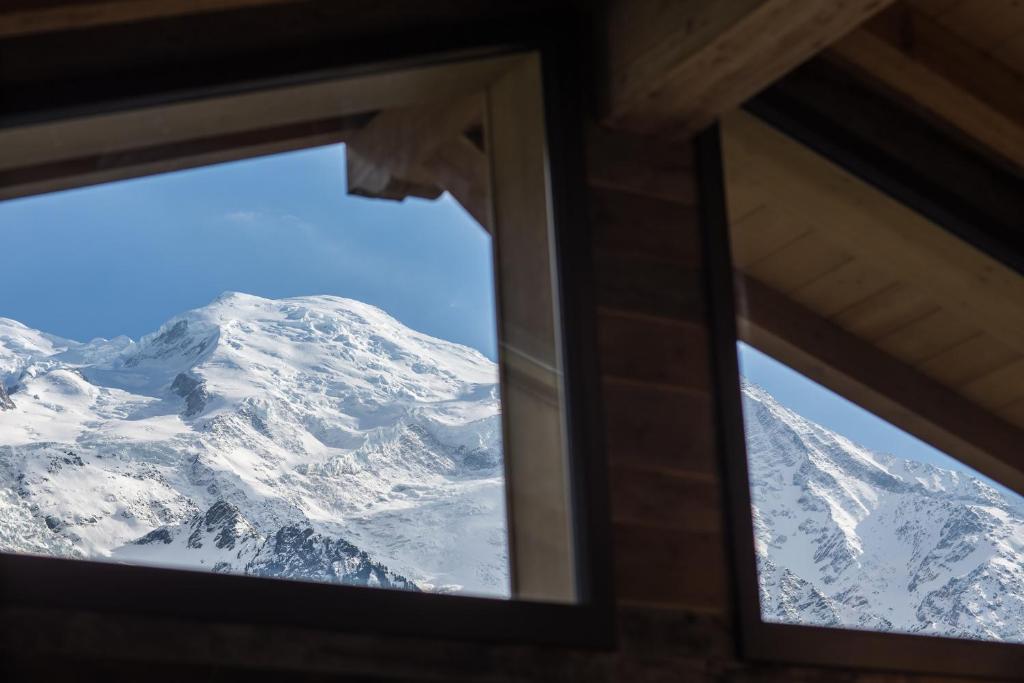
(850, 538)
(312, 438)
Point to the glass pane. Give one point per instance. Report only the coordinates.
(242, 369)
(860, 525)
(880, 358)
(269, 366)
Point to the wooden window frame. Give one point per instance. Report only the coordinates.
(970, 195)
(587, 620)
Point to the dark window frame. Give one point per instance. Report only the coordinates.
(889, 147)
(41, 582)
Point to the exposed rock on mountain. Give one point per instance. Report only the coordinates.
(848, 537)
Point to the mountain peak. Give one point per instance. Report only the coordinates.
(311, 437)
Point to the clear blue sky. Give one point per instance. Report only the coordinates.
(124, 257)
(830, 410)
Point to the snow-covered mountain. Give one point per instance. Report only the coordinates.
(847, 537)
(314, 438)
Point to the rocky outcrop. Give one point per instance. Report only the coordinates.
(295, 552)
(193, 391)
(5, 400)
(231, 543)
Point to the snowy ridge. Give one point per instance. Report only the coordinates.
(851, 538)
(313, 437)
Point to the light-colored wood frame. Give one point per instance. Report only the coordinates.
(511, 196)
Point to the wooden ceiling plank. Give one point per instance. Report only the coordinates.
(798, 263)
(762, 233)
(78, 15)
(945, 75)
(841, 288)
(884, 312)
(983, 23)
(676, 66)
(932, 8)
(1011, 51)
(999, 388)
(972, 358)
(927, 337)
(1013, 413)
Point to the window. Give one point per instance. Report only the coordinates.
(873, 438)
(312, 332)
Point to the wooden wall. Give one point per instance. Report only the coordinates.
(671, 574)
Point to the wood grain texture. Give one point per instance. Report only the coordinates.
(42, 17)
(653, 350)
(638, 225)
(940, 69)
(659, 428)
(675, 66)
(655, 566)
(879, 270)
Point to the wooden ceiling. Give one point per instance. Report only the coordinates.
(958, 61)
(996, 27)
(903, 294)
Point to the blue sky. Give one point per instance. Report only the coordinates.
(124, 257)
(830, 410)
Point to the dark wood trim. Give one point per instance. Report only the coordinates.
(891, 156)
(728, 407)
(67, 584)
(563, 65)
(31, 581)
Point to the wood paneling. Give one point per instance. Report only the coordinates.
(975, 357)
(675, 66)
(841, 288)
(763, 231)
(857, 258)
(995, 27)
(654, 498)
(799, 263)
(647, 166)
(886, 311)
(659, 428)
(635, 225)
(41, 17)
(946, 69)
(673, 353)
(655, 566)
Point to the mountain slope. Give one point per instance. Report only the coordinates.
(848, 537)
(330, 430)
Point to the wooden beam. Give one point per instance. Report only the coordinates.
(894, 391)
(540, 516)
(40, 17)
(165, 157)
(675, 66)
(941, 73)
(422, 152)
